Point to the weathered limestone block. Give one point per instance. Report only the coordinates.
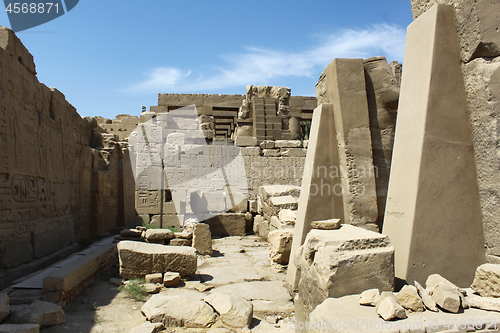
(426, 296)
(177, 311)
(482, 79)
(314, 205)
(484, 303)
(287, 216)
(171, 279)
(382, 90)
(389, 308)
(184, 234)
(152, 288)
(159, 234)
(280, 245)
(288, 144)
(487, 280)
(41, 313)
(369, 297)
(202, 239)
(22, 328)
(4, 306)
(245, 141)
(68, 278)
(433, 199)
(477, 23)
(341, 262)
(447, 297)
(154, 278)
(343, 84)
(181, 242)
(332, 224)
(234, 311)
(409, 299)
(138, 259)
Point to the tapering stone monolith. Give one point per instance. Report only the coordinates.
(343, 85)
(321, 191)
(433, 212)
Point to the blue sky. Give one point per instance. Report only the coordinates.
(114, 56)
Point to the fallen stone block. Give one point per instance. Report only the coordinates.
(434, 279)
(154, 278)
(171, 279)
(159, 234)
(59, 285)
(202, 239)
(23, 328)
(409, 299)
(287, 216)
(484, 303)
(42, 313)
(446, 297)
(234, 311)
(280, 245)
(4, 306)
(152, 288)
(181, 242)
(427, 299)
(138, 259)
(388, 307)
(177, 311)
(185, 234)
(347, 261)
(288, 144)
(369, 297)
(285, 202)
(332, 224)
(487, 280)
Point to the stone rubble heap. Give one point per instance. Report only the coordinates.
(439, 294)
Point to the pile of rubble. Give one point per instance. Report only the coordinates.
(439, 294)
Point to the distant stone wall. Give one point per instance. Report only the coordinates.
(59, 182)
(477, 26)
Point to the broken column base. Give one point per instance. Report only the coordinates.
(335, 263)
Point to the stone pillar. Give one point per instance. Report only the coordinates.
(433, 213)
(382, 90)
(295, 129)
(321, 193)
(343, 84)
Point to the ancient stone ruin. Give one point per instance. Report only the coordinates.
(373, 206)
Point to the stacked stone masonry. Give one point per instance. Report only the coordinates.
(61, 181)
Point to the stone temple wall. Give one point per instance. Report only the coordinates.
(60, 181)
(477, 23)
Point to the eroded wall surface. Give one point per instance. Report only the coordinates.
(477, 23)
(55, 189)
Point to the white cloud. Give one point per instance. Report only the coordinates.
(261, 65)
